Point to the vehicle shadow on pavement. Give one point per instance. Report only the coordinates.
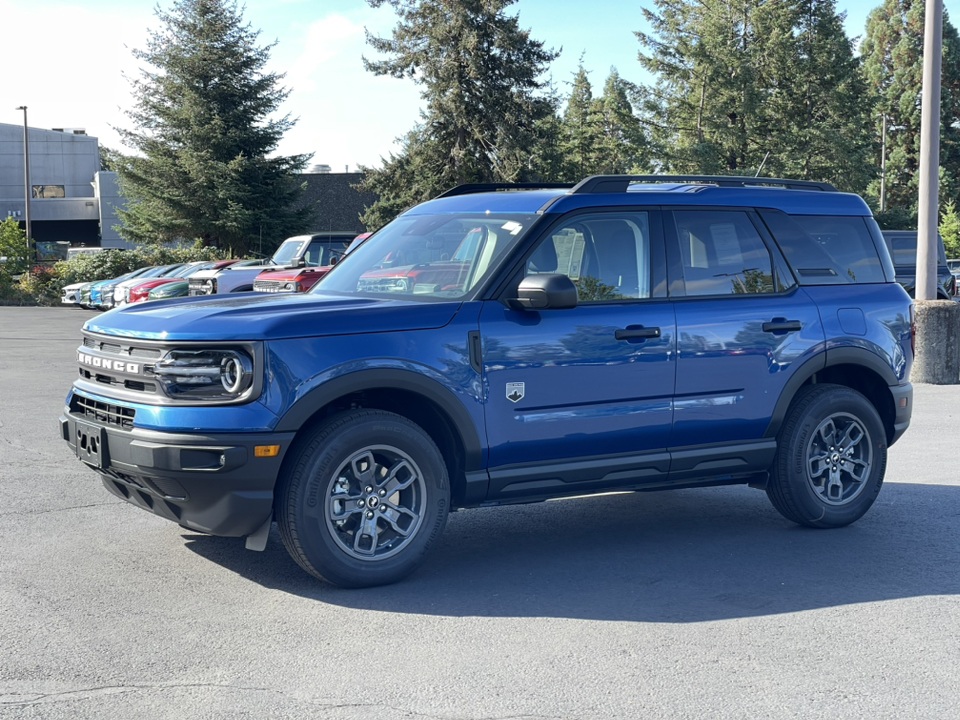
(683, 556)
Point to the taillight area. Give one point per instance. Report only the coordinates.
(913, 329)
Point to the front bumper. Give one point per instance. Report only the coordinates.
(211, 483)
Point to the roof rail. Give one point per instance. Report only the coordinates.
(620, 183)
(491, 187)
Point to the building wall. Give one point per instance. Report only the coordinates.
(105, 189)
(56, 158)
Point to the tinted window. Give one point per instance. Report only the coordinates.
(722, 254)
(607, 256)
(826, 250)
(903, 248)
(322, 252)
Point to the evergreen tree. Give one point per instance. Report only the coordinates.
(202, 136)
(753, 83)
(817, 110)
(893, 60)
(704, 106)
(485, 112)
(623, 146)
(950, 229)
(580, 131)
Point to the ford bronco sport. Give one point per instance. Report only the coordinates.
(505, 344)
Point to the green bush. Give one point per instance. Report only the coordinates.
(43, 285)
(13, 247)
(950, 230)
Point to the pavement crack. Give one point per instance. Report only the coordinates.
(22, 700)
(59, 510)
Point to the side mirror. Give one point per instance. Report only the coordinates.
(542, 292)
(301, 261)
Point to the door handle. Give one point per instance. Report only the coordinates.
(632, 332)
(779, 325)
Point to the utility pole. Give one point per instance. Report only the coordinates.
(928, 205)
(883, 166)
(26, 184)
(937, 358)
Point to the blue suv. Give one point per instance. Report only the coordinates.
(509, 344)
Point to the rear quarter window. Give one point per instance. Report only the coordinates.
(826, 250)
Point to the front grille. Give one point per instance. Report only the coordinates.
(269, 286)
(116, 349)
(202, 286)
(105, 413)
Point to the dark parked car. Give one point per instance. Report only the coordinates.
(903, 250)
(506, 344)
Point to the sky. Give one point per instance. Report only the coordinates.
(68, 62)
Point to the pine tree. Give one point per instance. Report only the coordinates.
(704, 106)
(817, 110)
(893, 60)
(485, 109)
(753, 83)
(623, 146)
(202, 135)
(580, 131)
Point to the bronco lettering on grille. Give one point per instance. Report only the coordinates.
(109, 364)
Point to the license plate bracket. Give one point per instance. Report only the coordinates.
(91, 444)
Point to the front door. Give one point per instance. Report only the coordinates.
(582, 398)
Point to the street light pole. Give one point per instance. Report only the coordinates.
(928, 205)
(26, 182)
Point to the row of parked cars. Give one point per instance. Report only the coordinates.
(295, 267)
(301, 261)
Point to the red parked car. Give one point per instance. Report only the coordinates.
(300, 279)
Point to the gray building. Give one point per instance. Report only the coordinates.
(73, 201)
(70, 199)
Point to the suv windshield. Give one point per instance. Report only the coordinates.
(287, 252)
(428, 256)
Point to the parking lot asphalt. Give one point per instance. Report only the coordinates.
(683, 604)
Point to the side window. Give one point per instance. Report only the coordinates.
(826, 250)
(722, 253)
(607, 256)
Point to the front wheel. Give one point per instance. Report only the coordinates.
(365, 499)
(831, 458)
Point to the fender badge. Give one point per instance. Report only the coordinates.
(515, 391)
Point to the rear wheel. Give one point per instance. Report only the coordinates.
(831, 458)
(365, 499)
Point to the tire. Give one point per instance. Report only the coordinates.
(364, 500)
(828, 424)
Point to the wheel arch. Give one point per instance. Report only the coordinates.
(418, 398)
(856, 368)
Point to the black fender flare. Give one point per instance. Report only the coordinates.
(375, 378)
(834, 356)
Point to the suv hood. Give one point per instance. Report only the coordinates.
(266, 316)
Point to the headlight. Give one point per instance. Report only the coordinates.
(205, 374)
(290, 287)
(402, 285)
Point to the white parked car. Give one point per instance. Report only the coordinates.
(70, 295)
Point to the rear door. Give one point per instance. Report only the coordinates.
(743, 327)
